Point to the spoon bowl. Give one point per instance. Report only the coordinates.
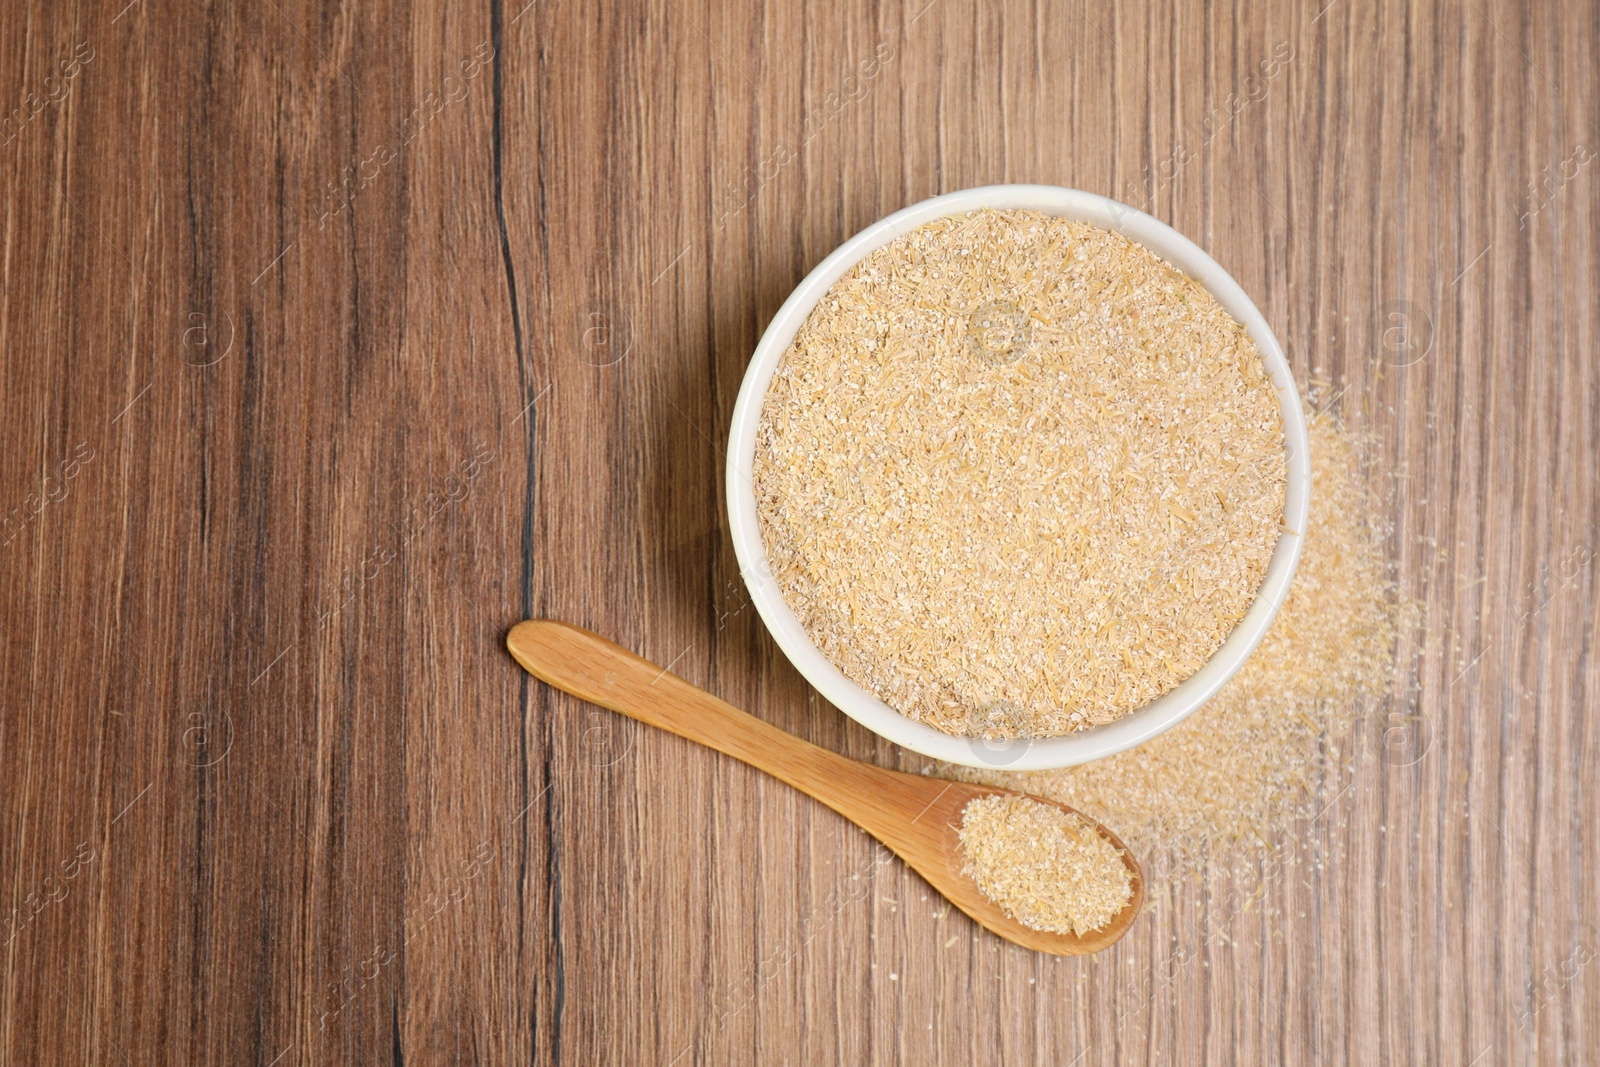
(915, 816)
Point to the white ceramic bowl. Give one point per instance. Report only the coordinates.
(1024, 753)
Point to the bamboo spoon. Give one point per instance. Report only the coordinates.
(916, 816)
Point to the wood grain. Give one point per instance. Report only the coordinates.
(313, 383)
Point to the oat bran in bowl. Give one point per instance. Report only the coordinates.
(1018, 477)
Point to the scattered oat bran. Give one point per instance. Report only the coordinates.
(1019, 476)
(1046, 868)
(1229, 777)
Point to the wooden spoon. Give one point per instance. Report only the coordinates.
(915, 815)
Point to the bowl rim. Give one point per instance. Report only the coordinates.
(1019, 754)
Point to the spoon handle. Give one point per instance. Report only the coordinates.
(588, 666)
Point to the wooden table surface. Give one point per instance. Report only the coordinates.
(336, 338)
